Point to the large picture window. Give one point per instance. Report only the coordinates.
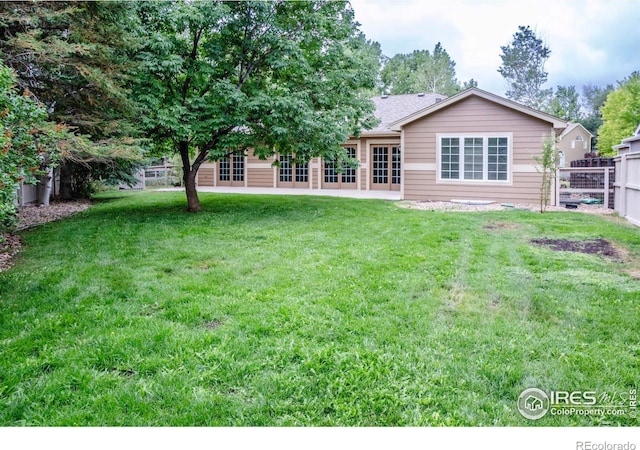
(474, 158)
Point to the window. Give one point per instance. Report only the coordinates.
(238, 167)
(498, 159)
(349, 174)
(395, 165)
(330, 173)
(286, 171)
(474, 158)
(450, 158)
(380, 165)
(302, 173)
(225, 174)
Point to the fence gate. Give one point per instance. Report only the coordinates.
(586, 184)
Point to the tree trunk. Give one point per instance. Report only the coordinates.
(44, 187)
(66, 188)
(193, 203)
(189, 177)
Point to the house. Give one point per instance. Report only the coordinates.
(574, 142)
(473, 145)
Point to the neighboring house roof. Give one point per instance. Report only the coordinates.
(391, 108)
(573, 126)
(555, 121)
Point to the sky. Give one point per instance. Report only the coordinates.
(592, 41)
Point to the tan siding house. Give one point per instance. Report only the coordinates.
(474, 145)
(574, 142)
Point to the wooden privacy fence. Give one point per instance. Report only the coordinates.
(627, 187)
(576, 184)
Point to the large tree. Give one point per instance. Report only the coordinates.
(523, 62)
(620, 114)
(565, 103)
(421, 71)
(279, 76)
(593, 97)
(77, 58)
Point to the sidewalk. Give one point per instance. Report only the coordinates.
(350, 193)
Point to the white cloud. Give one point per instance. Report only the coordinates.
(591, 41)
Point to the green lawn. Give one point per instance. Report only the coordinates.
(273, 310)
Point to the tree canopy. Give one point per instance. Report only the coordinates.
(522, 67)
(421, 71)
(620, 114)
(28, 143)
(593, 97)
(223, 77)
(565, 103)
(77, 60)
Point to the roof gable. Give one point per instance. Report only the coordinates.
(572, 126)
(391, 108)
(555, 121)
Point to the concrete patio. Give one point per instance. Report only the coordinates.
(350, 193)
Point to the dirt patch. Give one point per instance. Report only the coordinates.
(9, 247)
(633, 273)
(212, 325)
(600, 247)
(429, 205)
(502, 226)
(31, 216)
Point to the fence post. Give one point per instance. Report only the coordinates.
(606, 187)
(622, 177)
(557, 186)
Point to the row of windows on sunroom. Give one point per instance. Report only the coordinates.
(233, 168)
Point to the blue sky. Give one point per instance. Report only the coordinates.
(591, 41)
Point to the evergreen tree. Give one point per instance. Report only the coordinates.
(522, 67)
(593, 97)
(421, 71)
(565, 103)
(77, 58)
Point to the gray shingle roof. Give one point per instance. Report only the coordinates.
(391, 108)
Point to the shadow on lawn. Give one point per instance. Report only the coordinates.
(144, 206)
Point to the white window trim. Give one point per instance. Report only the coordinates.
(485, 161)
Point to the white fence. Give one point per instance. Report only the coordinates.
(627, 187)
(576, 184)
(155, 176)
(165, 175)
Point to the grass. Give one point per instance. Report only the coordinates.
(274, 311)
